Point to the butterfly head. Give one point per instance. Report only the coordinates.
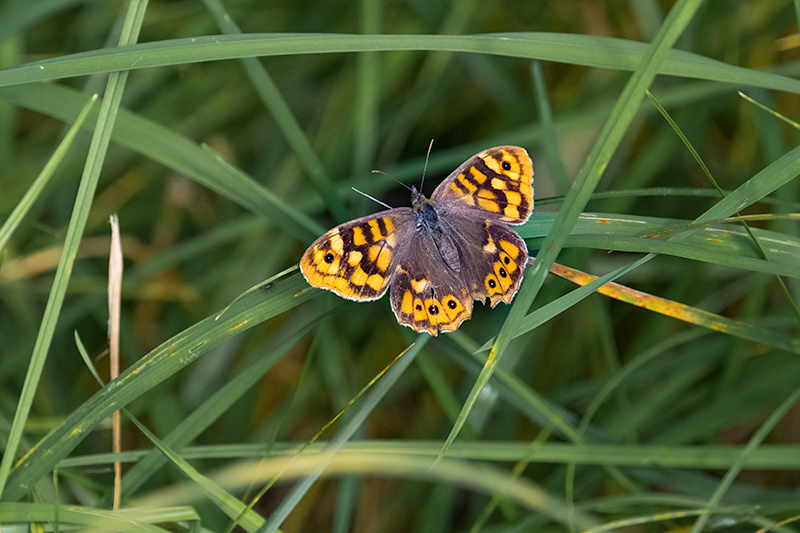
(418, 201)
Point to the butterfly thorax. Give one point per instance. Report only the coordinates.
(428, 223)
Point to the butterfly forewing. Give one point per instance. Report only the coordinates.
(356, 259)
(496, 183)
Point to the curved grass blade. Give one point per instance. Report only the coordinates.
(587, 50)
(327, 425)
(284, 118)
(360, 414)
(25, 204)
(686, 313)
(177, 152)
(624, 111)
(458, 472)
(133, 520)
(710, 457)
(222, 499)
(167, 359)
(208, 412)
(91, 174)
(707, 172)
(199, 420)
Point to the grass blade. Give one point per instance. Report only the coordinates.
(91, 174)
(621, 117)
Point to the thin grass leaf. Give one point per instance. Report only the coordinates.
(41, 181)
(133, 520)
(223, 500)
(164, 361)
(775, 175)
(198, 421)
(359, 414)
(175, 151)
(685, 313)
(587, 50)
(279, 211)
(772, 112)
(283, 116)
(709, 223)
(729, 246)
(707, 172)
(549, 136)
(752, 445)
(714, 457)
(585, 183)
(275, 478)
(522, 491)
(753, 190)
(94, 163)
(367, 93)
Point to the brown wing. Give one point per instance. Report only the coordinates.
(498, 183)
(428, 295)
(356, 259)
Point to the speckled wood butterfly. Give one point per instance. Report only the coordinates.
(440, 254)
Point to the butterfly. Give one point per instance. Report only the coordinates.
(441, 253)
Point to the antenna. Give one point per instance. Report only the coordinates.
(371, 198)
(425, 168)
(393, 179)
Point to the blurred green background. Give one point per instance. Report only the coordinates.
(316, 118)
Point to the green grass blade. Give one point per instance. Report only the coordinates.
(712, 457)
(88, 185)
(559, 174)
(623, 114)
(133, 520)
(223, 500)
(360, 413)
(551, 309)
(588, 50)
(152, 369)
(177, 152)
(752, 445)
(191, 426)
(765, 182)
(727, 245)
(41, 181)
(367, 91)
(209, 411)
(284, 118)
(758, 244)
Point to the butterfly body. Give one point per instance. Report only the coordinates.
(442, 253)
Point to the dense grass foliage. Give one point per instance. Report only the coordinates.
(227, 136)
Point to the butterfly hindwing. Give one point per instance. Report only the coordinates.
(423, 305)
(505, 254)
